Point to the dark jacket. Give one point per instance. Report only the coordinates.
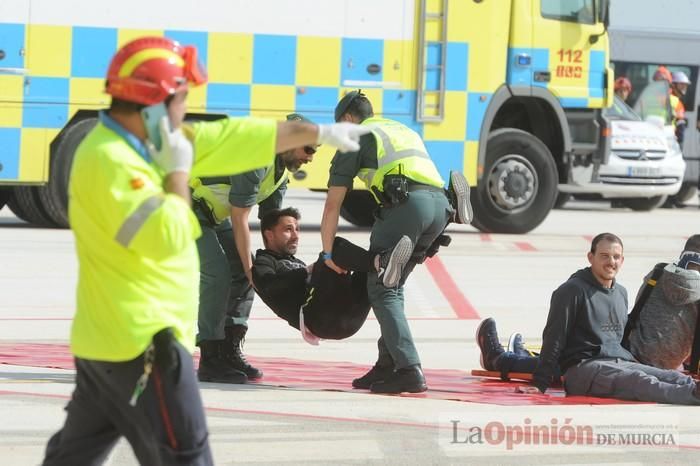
(663, 334)
(335, 305)
(586, 320)
(281, 283)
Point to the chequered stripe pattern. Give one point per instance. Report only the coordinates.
(250, 74)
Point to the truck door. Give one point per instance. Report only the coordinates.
(12, 79)
(573, 62)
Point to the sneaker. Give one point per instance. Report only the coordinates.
(490, 346)
(391, 263)
(458, 190)
(376, 374)
(516, 345)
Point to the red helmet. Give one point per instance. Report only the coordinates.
(662, 74)
(623, 83)
(149, 69)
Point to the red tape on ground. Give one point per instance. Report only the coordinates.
(335, 376)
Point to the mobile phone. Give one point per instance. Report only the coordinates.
(151, 116)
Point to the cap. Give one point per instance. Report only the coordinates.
(345, 102)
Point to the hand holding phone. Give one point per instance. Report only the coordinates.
(176, 152)
(152, 115)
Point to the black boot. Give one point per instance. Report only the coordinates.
(213, 367)
(233, 351)
(408, 379)
(376, 374)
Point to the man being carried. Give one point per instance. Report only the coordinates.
(314, 299)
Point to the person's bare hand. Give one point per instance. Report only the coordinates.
(249, 276)
(332, 265)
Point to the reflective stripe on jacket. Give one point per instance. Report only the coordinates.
(137, 256)
(399, 148)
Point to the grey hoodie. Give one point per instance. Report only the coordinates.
(663, 335)
(585, 321)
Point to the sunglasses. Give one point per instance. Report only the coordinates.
(308, 150)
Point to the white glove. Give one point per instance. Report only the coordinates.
(344, 136)
(176, 152)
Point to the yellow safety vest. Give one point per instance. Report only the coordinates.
(139, 267)
(215, 195)
(398, 145)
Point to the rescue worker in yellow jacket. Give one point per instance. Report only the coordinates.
(133, 331)
(679, 86)
(226, 291)
(414, 211)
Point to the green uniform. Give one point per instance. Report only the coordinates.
(135, 243)
(226, 297)
(390, 148)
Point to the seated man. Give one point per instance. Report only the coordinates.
(314, 299)
(583, 335)
(662, 326)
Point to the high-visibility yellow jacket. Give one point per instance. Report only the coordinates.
(139, 268)
(400, 150)
(214, 192)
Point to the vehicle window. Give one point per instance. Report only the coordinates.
(621, 111)
(642, 74)
(579, 11)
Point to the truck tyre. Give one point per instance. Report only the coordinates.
(519, 184)
(358, 208)
(4, 196)
(30, 207)
(54, 196)
(14, 207)
(643, 204)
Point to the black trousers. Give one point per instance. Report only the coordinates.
(166, 427)
(338, 305)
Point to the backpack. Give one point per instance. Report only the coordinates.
(633, 316)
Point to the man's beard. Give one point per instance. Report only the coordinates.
(290, 249)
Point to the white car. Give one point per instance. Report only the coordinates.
(645, 164)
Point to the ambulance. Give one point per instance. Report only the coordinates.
(509, 92)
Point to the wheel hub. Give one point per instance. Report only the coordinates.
(512, 182)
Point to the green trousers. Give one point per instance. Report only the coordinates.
(225, 296)
(422, 218)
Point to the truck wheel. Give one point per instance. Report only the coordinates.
(643, 204)
(519, 184)
(358, 208)
(54, 196)
(4, 196)
(30, 207)
(14, 207)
